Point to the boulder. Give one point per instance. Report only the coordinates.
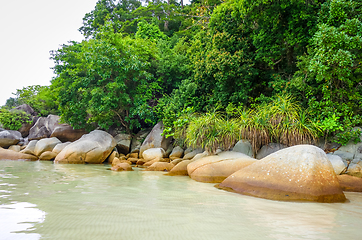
(30, 147)
(355, 169)
(153, 153)
(149, 163)
(192, 154)
(200, 155)
(269, 149)
(160, 166)
(216, 168)
(176, 161)
(59, 147)
(15, 148)
(117, 160)
(298, 173)
(180, 169)
(188, 150)
(48, 155)
(123, 142)
(6, 154)
(25, 108)
(132, 155)
(139, 162)
(348, 151)
(9, 137)
(66, 133)
(337, 163)
(45, 144)
(155, 140)
(44, 127)
(93, 147)
(350, 183)
(133, 160)
(138, 139)
(176, 153)
(244, 146)
(122, 167)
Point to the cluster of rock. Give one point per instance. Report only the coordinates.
(298, 173)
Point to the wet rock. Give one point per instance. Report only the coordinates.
(269, 149)
(122, 167)
(180, 169)
(111, 156)
(155, 140)
(350, 183)
(47, 156)
(133, 160)
(216, 168)
(94, 147)
(355, 169)
(298, 173)
(160, 166)
(6, 154)
(9, 137)
(45, 144)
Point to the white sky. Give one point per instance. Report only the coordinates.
(28, 31)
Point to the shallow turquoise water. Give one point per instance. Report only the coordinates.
(42, 200)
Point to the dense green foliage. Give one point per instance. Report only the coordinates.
(292, 68)
(13, 120)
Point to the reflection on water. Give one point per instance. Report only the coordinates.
(50, 201)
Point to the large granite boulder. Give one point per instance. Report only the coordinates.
(93, 147)
(66, 133)
(355, 169)
(47, 156)
(59, 147)
(160, 166)
(9, 137)
(216, 168)
(44, 127)
(123, 142)
(29, 149)
(155, 140)
(269, 149)
(45, 144)
(298, 173)
(244, 146)
(15, 148)
(6, 154)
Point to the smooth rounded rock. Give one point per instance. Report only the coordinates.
(298, 173)
(66, 133)
(59, 147)
(180, 169)
(153, 153)
(177, 152)
(6, 154)
(29, 149)
(122, 167)
(269, 149)
(337, 163)
(160, 166)
(350, 183)
(9, 137)
(45, 144)
(47, 156)
(244, 146)
(15, 148)
(215, 168)
(155, 140)
(94, 147)
(192, 154)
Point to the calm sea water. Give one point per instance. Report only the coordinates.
(42, 200)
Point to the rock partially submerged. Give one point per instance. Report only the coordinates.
(350, 183)
(6, 154)
(298, 173)
(94, 147)
(216, 168)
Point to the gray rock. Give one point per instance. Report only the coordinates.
(30, 147)
(9, 137)
(269, 149)
(44, 127)
(155, 140)
(138, 139)
(25, 108)
(244, 146)
(93, 147)
(123, 142)
(45, 144)
(337, 163)
(192, 154)
(66, 133)
(177, 152)
(59, 147)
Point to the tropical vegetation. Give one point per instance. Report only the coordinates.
(213, 71)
